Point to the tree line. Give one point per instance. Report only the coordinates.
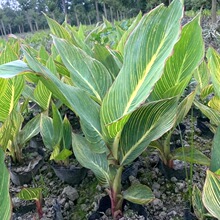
(18, 16)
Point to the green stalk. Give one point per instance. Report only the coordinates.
(191, 155)
(115, 146)
(167, 149)
(115, 195)
(183, 151)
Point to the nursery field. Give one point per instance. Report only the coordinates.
(114, 121)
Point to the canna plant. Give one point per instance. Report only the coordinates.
(119, 115)
(207, 202)
(14, 137)
(177, 74)
(56, 135)
(33, 194)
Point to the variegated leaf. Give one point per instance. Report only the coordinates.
(211, 192)
(210, 113)
(86, 72)
(75, 99)
(42, 95)
(146, 51)
(98, 163)
(139, 194)
(30, 194)
(145, 125)
(214, 66)
(188, 53)
(5, 201)
(10, 96)
(202, 75)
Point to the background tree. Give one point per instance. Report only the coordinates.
(214, 8)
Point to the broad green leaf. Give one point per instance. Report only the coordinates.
(57, 29)
(80, 32)
(11, 95)
(30, 194)
(67, 34)
(214, 66)
(5, 201)
(206, 91)
(62, 155)
(215, 153)
(55, 152)
(42, 95)
(105, 56)
(86, 72)
(202, 75)
(188, 53)
(43, 54)
(98, 163)
(52, 66)
(3, 88)
(145, 125)
(57, 125)
(124, 38)
(77, 38)
(8, 54)
(145, 54)
(212, 114)
(214, 103)
(210, 194)
(31, 129)
(191, 156)
(197, 203)
(184, 107)
(28, 93)
(77, 100)
(61, 69)
(138, 194)
(10, 128)
(11, 69)
(47, 131)
(67, 133)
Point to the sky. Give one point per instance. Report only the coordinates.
(3, 1)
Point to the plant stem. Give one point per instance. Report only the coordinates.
(167, 150)
(115, 195)
(115, 146)
(39, 208)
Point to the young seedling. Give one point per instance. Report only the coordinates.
(33, 194)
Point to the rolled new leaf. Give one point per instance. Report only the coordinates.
(139, 194)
